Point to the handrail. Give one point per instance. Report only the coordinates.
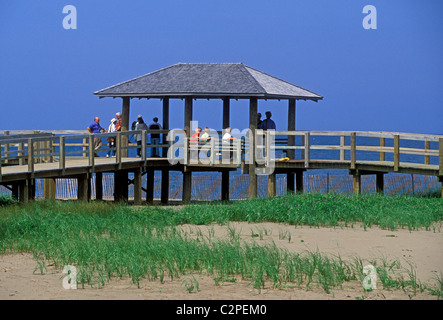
(55, 148)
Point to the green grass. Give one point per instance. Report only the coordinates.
(106, 241)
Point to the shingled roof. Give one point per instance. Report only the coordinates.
(208, 80)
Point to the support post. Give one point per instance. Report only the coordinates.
(299, 182)
(98, 186)
(271, 185)
(84, 188)
(225, 185)
(356, 183)
(150, 186)
(49, 186)
(396, 152)
(291, 142)
(187, 175)
(252, 188)
(225, 173)
(138, 186)
(379, 183)
(26, 190)
(164, 198)
(120, 186)
(125, 124)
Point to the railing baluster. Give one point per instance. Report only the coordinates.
(307, 148)
(31, 157)
(62, 154)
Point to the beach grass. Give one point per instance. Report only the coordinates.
(105, 240)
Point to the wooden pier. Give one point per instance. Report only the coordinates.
(50, 156)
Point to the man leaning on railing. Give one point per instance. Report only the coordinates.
(95, 128)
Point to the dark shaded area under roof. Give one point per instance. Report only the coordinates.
(208, 80)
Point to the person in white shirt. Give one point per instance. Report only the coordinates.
(111, 139)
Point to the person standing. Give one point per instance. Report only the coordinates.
(140, 126)
(155, 137)
(268, 123)
(111, 139)
(259, 121)
(96, 128)
(118, 126)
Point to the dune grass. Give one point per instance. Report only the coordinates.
(105, 240)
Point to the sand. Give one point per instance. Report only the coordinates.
(21, 278)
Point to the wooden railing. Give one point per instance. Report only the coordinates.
(30, 147)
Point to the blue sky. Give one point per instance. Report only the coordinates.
(387, 79)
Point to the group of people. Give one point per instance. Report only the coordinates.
(116, 125)
(197, 138)
(266, 124)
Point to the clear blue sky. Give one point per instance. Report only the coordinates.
(386, 79)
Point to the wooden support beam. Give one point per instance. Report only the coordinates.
(84, 187)
(353, 150)
(138, 186)
(356, 184)
(379, 182)
(299, 182)
(165, 187)
(164, 197)
(440, 157)
(99, 186)
(290, 182)
(271, 185)
(382, 144)
(49, 187)
(252, 188)
(26, 190)
(120, 186)
(187, 175)
(125, 124)
(150, 186)
(225, 186)
(226, 113)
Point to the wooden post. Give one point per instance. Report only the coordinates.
(353, 150)
(84, 187)
(379, 182)
(150, 186)
(356, 187)
(138, 186)
(225, 173)
(31, 157)
(271, 185)
(396, 152)
(120, 186)
(342, 145)
(26, 190)
(165, 172)
(62, 154)
(49, 186)
(187, 175)
(98, 186)
(290, 182)
(427, 148)
(252, 189)
(6, 147)
(307, 149)
(125, 124)
(225, 185)
(290, 176)
(299, 182)
(382, 144)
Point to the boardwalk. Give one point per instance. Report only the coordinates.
(50, 157)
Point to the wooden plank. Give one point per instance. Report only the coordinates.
(31, 157)
(427, 147)
(342, 147)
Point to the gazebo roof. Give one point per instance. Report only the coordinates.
(208, 80)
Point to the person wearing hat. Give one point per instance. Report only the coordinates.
(111, 139)
(140, 126)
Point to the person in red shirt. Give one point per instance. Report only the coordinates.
(193, 142)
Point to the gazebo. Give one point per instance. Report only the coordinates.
(224, 81)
